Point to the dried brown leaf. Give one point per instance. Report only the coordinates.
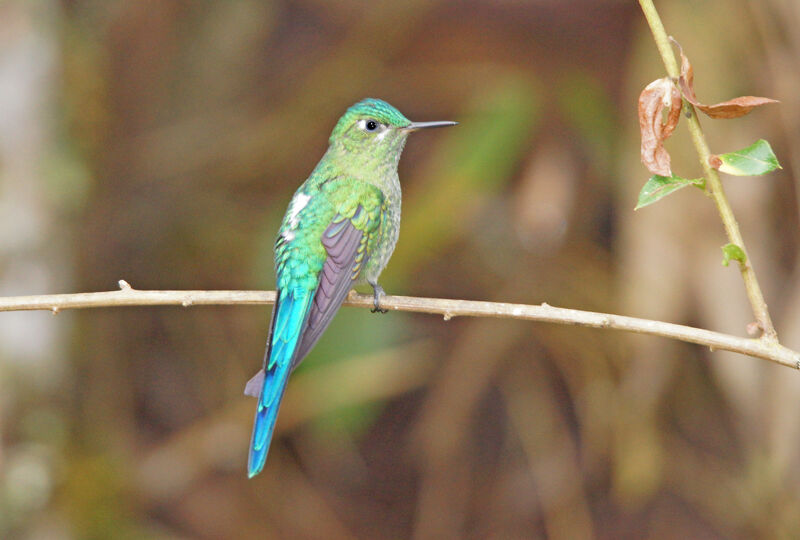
(733, 108)
(656, 96)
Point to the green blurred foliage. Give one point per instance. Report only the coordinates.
(176, 134)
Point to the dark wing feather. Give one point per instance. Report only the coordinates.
(343, 242)
(256, 382)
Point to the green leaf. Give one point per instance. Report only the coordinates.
(732, 252)
(754, 160)
(658, 187)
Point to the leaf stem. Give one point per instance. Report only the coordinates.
(713, 183)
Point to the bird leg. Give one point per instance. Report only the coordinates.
(377, 292)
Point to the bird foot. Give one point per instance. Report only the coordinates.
(377, 292)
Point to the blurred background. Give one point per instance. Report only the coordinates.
(160, 142)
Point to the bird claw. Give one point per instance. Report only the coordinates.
(377, 292)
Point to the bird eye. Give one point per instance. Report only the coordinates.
(371, 125)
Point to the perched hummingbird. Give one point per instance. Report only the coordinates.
(339, 231)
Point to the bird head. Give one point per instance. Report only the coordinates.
(374, 128)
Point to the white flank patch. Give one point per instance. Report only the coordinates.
(288, 235)
(298, 203)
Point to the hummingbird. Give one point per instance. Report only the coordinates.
(340, 230)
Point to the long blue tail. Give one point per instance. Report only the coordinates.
(290, 317)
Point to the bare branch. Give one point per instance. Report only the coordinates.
(767, 348)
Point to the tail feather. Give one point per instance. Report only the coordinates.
(262, 433)
(290, 317)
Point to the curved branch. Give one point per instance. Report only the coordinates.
(127, 296)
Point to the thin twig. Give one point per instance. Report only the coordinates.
(127, 296)
(713, 183)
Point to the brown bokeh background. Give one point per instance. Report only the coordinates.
(160, 142)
